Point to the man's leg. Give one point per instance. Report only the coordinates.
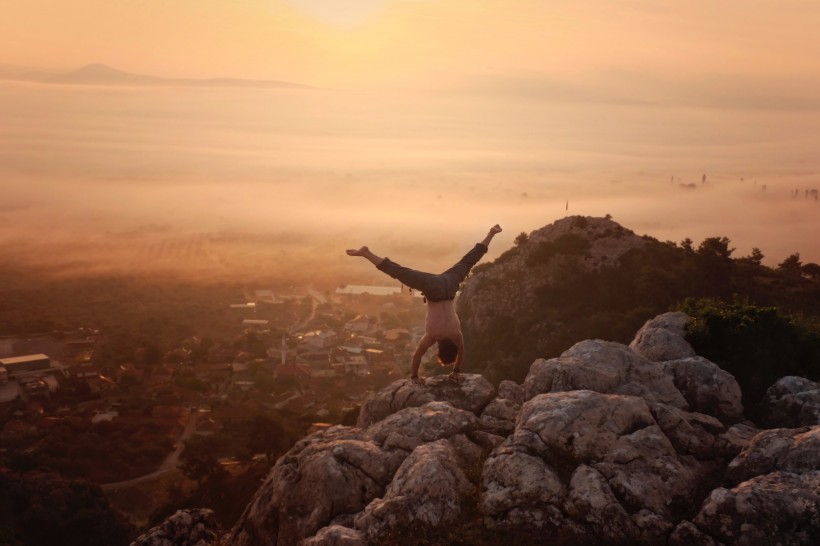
(460, 270)
(418, 280)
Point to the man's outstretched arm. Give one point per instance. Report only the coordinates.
(456, 373)
(425, 343)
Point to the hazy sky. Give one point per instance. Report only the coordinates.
(431, 120)
(698, 43)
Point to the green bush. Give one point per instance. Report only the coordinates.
(758, 345)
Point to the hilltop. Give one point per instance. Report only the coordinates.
(586, 278)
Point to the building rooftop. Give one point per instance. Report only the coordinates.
(356, 289)
(21, 359)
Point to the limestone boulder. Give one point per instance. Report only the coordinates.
(605, 367)
(663, 338)
(593, 466)
(773, 492)
(792, 402)
(471, 395)
(414, 426)
(193, 527)
(331, 474)
(428, 490)
(707, 388)
(788, 450)
(335, 535)
(775, 508)
(499, 416)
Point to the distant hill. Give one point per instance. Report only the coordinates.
(102, 74)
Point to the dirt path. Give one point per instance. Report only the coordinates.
(168, 465)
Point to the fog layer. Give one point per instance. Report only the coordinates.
(256, 182)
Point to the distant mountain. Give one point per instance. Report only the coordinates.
(101, 74)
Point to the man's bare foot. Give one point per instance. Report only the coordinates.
(417, 380)
(360, 252)
(457, 377)
(495, 229)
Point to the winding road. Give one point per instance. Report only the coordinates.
(168, 465)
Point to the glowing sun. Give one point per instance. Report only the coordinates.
(341, 13)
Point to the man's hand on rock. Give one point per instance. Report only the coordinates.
(457, 377)
(417, 380)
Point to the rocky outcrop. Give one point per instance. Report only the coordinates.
(600, 445)
(428, 490)
(792, 402)
(774, 493)
(195, 527)
(369, 476)
(471, 395)
(662, 338)
(604, 367)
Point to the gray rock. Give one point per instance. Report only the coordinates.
(512, 480)
(499, 416)
(428, 489)
(687, 534)
(511, 391)
(471, 395)
(737, 437)
(619, 459)
(414, 426)
(692, 433)
(788, 450)
(604, 367)
(192, 527)
(707, 388)
(780, 506)
(591, 501)
(662, 338)
(792, 402)
(325, 475)
(335, 535)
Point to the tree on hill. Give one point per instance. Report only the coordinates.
(791, 266)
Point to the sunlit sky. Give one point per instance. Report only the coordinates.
(427, 121)
(698, 43)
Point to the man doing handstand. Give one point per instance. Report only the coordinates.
(441, 325)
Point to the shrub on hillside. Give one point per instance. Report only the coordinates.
(758, 345)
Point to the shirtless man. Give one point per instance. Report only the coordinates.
(441, 325)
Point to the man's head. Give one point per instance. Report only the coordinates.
(447, 351)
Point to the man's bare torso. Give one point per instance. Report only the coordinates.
(442, 321)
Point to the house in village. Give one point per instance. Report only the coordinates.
(292, 369)
(358, 325)
(257, 325)
(360, 289)
(319, 339)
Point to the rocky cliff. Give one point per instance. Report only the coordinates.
(540, 296)
(606, 444)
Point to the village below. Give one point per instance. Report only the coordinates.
(161, 422)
